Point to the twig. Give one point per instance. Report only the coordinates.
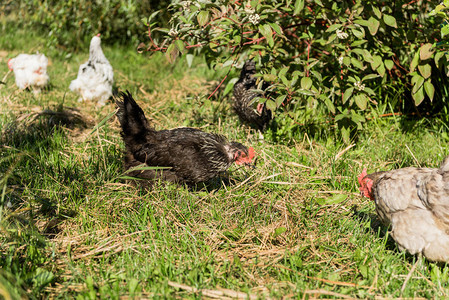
(310, 142)
(341, 283)
(409, 275)
(293, 164)
(235, 59)
(216, 294)
(339, 154)
(4, 78)
(416, 161)
(324, 292)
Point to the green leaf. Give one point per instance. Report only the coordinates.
(362, 22)
(331, 38)
(358, 43)
(347, 94)
(280, 100)
(329, 105)
(269, 77)
(278, 231)
(299, 5)
(369, 91)
(189, 58)
(437, 57)
(357, 118)
(359, 34)
(284, 80)
(389, 64)
(376, 12)
(367, 56)
(335, 199)
(42, 277)
(150, 18)
(430, 89)
(370, 76)
(345, 134)
(419, 80)
(390, 21)
(306, 83)
(381, 70)
(172, 53)
(180, 45)
(444, 31)
(356, 63)
(265, 30)
(414, 62)
(359, 51)
(306, 92)
(276, 28)
(418, 96)
(271, 105)
(229, 86)
(361, 101)
(425, 51)
(373, 25)
(377, 61)
(333, 27)
(283, 71)
(425, 70)
(203, 17)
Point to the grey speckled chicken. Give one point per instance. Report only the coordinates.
(190, 155)
(256, 115)
(415, 201)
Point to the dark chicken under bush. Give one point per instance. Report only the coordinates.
(258, 115)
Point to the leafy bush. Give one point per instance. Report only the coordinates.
(70, 24)
(327, 62)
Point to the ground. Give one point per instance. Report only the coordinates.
(293, 227)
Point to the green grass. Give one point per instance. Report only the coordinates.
(294, 227)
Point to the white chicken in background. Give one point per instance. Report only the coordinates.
(95, 77)
(30, 71)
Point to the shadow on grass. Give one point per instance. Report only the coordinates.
(26, 144)
(33, 129)
(215, 184)
(376, 227)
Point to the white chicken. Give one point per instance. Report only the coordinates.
(95, 77)
(415, 202)
(30, 71)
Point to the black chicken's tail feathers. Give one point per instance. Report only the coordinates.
(131, 116)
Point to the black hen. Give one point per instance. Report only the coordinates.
(190, 155)
(244, 94)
